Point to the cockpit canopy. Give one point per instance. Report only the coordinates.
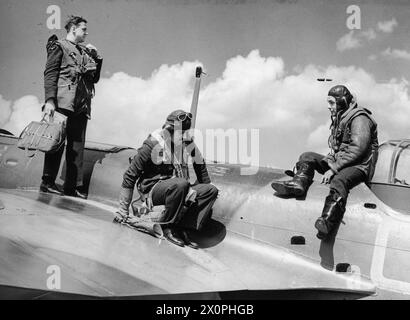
(391, 180)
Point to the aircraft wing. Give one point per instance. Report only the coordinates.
(99, 258)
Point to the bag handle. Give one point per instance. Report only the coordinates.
(43, 119)
(22, 132)
(39, 136)
(34, 136)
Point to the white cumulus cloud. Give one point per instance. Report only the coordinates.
(354, 39)
(348, 41)
(372, 57)
(396, 54)
(387, 26)
(5, 111)
(15, 116)
(127, 108)
(288, 108)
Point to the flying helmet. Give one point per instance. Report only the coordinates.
(342, 96)
(180, 116)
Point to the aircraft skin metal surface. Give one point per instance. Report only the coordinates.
(248, 246)
(391, 181)
(100, 258)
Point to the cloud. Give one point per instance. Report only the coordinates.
(127, 108)
(373, 57)
(316, 139)
(396, 54)
(5, 111)
(15, 116)
(369, 34)
(288, 108)
(387, 26)
(354, 40)
(348, 41)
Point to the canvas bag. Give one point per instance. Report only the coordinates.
(43, 136)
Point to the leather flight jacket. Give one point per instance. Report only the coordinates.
(353, 141)
(75, 81)
(152, 163)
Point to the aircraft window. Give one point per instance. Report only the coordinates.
(381, 174)
(402, 175)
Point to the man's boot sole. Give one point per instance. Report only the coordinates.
(190, 243)
(174, 242)
(285, 190)
(48, 190)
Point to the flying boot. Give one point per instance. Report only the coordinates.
(172, 235)
(299, 184)
(187, 239)
(332, 214)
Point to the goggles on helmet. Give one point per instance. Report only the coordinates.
(184, 116)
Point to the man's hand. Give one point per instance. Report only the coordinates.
(48, 110)
(92, 50)
(327, 176)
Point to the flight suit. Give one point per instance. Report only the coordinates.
(354, 146)
(157, 175)
(354, 150)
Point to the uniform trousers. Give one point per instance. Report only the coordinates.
(75, 141)
(172, 193)
(342, 182)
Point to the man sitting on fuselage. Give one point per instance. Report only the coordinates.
(354, 146)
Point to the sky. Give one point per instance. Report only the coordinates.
(262, 59)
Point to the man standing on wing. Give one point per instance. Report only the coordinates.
(71, 71)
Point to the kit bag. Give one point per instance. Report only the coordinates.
(43, 136)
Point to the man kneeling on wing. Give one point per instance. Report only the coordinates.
(160, 171)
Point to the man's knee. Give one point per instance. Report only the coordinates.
(213, 191)
(180, 184)
(207, 190)
(308, 157)
(347, 179)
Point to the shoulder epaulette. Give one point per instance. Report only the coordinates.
(367, 110)
(52, 43)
